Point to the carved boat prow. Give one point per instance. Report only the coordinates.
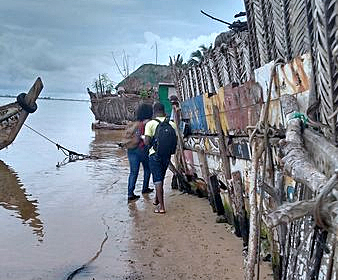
(13, 115)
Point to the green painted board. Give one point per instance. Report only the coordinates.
(163, 96)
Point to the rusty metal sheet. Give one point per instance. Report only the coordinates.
(193, 110)
(254, 114)
(294, 77)
(242, 105)
(291, 78)
(275, 115)
(231, 98)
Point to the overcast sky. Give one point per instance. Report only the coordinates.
(69, 42)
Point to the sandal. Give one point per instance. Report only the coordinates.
(159, 211)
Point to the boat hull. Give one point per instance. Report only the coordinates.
(13, 115)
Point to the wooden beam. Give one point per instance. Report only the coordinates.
(222, 145)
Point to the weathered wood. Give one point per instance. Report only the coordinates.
(222, 144)
(13, 131)
(240, 206)
(116, 109)
(215, 193)
(110, 126)
(289, 212)
(8, 111)
(296, 159)
(179, 139)
(253, 240)
(325, 155)
(206, 176)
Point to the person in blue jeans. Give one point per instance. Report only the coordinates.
(139, 155)
(158, 164)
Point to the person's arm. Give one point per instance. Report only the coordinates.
(147, 133)
(147, 140)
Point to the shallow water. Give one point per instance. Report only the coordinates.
(54, 220)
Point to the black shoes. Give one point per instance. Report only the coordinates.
(148, 190)
(134, 197)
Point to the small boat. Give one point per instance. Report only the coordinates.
(13, 115)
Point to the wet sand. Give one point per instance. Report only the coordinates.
(184, 243)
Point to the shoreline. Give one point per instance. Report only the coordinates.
(49, 98)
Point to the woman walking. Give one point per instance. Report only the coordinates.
(138, 151)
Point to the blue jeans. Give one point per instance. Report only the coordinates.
(136, 157)
(158, 166)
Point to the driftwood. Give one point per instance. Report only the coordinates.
(297, 163)
(296, 159)
(253, 238)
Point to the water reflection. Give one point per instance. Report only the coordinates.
(13, 197)
(110, 168)
(104, 144)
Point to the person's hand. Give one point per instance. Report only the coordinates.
(120, 144)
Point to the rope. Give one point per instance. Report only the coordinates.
(71, 155)
(301, 116)
(40, 134)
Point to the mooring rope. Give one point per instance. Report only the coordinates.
(70, 154)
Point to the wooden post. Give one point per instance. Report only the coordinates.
(222, 145)
(206, 176)
(253, 239)
(179, 139)
(239, 207)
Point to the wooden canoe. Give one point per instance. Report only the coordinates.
(13, 115)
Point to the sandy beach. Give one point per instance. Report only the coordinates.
(184, 243)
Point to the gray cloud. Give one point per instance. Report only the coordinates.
(68, 43)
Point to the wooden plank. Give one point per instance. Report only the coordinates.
(222, 144)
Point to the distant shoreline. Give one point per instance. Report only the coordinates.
(49, 98)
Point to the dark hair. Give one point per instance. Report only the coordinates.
(158, 108)
(144, 111)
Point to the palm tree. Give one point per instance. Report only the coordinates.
(198, 56)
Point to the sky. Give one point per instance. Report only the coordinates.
(68, 43)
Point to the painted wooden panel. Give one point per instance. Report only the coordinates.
(218, 101)
(242, 106)
(193, 110)
(238, 108)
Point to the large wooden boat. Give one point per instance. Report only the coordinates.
(13, 115)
